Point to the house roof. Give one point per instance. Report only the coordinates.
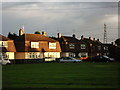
(34, 37)
(44, 46)
(3, 38)
(11, 46)
(92, 41)
(70, 39)
(66, 39)
(65, 47)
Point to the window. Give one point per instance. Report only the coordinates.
(52, 45)
(108, 53)
(98, 54)
(105, 48)
(34, 44)
(99, 47)
(72, 54)
(72, 46)
(4, 55)
(83, 54)
(66, 42)
(3, 44)
(83, 46)
(52, 54)
(32, 55)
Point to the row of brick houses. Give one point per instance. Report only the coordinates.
(38, 46)
(84, 47)
(29, 46)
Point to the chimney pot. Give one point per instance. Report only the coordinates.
(112, 43)
(94, 39)
(73, 35)
(97, 39)
(59, 35)
(82, 37)
(90, 38)
(44, 33)
(21, 32)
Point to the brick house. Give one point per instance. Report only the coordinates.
(36, 46)
(92, 47)
(70, 46)
(112, 51)
(106, 48)
(84, 48)
(7, 48)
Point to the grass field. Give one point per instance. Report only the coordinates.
(61, 75)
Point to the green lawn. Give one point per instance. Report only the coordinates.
(61, 75)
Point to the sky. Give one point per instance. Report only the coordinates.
(67, 18)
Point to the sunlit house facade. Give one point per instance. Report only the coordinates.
(35, 46)
(7, 48)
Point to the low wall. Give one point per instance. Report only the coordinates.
(23, 61)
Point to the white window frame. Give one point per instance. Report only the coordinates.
(52, 45)
(34, 44)
(83, 54)
(83, 46)
(52, 54)
(71, 46)
(72, 54)
(105, 48)
(99, 47)
(32, 55)
(3, 43)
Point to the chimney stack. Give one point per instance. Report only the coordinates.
(74, 36)
(94, 39)
(44, 33)
(97, 39)
(90, 38)
(82, 37)
(59, 35)
(112, 43)
(21, 32)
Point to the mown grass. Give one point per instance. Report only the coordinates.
(61, 75)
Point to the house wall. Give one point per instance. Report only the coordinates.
(52, 54)
(33, 55)
(36, 55)
(11, 46)
(67, 54)
(10, 55)
(20, 46)
(65, 46)
(20, 55)
(83, 54)
(43, 47)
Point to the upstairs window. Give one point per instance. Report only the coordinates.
(34, 44)
(83, 54)
(99, 47)
(3, 43)
(106, 48)
(52, 45)
(83, 46)
(72, 46)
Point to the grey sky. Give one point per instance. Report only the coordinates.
(80, 18)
